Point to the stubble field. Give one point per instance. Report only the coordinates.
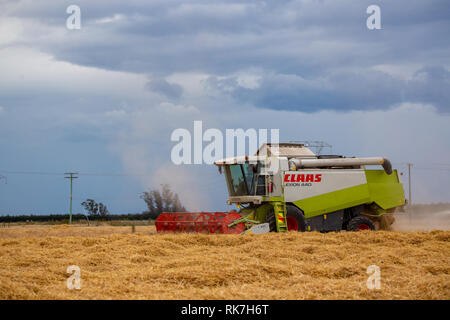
(118, 264)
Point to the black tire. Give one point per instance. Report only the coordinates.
(360, 223)
(297, 214)
(292, 212)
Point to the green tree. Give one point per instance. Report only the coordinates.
(95, 209)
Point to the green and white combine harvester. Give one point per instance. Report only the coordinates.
(286, 187)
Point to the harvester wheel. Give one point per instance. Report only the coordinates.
(360, 223)
(295, 219)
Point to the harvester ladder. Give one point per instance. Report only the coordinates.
(280, 216)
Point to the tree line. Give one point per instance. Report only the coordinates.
(157, 201)
(76, 216)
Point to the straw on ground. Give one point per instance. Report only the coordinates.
(118, 264)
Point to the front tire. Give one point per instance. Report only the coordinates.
(295, 219)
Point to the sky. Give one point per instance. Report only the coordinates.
(104, 99)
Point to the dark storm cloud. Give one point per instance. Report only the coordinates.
(432, 85)
(161, 86)
(346, 90)
(302, 47)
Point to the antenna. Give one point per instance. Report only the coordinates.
(318, 145)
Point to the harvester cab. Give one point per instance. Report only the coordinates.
(286, 187)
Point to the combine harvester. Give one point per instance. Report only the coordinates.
(286, 187)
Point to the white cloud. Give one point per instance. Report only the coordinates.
(116, 114)
(10, 30)
(215, 10)
(114, 18)
(404, 72)
(30, 70)
(170, 108)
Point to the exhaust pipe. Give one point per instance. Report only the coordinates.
(340, 162)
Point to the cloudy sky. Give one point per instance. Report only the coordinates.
(104, 99)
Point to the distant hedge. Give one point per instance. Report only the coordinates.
(77, 216)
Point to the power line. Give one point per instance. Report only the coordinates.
(80, 173)
(32, 172)
(435, 165)
(433, 169)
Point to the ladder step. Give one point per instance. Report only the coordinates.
(280, 216)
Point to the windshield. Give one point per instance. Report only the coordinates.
(241, 179)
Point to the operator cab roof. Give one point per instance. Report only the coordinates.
(287, 150)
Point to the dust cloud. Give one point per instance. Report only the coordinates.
(423, 217)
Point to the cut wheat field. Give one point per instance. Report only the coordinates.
(118, 264)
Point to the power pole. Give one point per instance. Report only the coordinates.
(409, 181)
(71, 176)
(409, 191)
